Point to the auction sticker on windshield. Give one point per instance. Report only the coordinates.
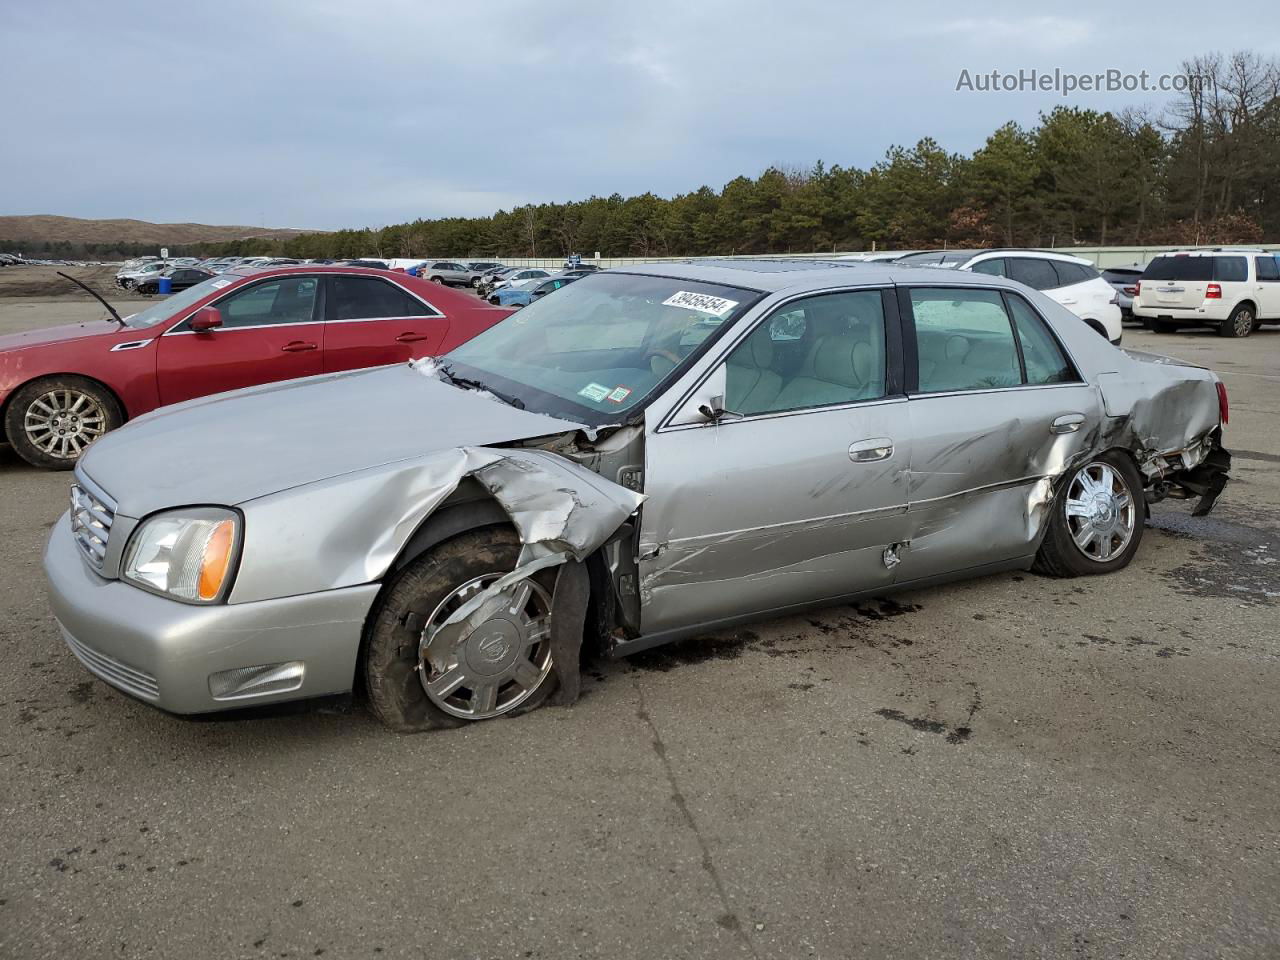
(702, 302)
(595, 392)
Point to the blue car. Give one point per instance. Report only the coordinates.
(523, 296)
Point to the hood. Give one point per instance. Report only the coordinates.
(234, 447)
(59, 334)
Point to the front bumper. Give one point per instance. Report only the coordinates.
(164, 652)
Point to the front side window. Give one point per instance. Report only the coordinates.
(284, 300)
(1069, 273)
(964, 340)
(1268, 268)
(603, 345)
(843, 362)
(366, 298)
(994, 267)
(1036, 274)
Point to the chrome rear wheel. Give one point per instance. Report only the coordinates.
(1101, 513)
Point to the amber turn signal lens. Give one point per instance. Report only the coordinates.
(216, 560)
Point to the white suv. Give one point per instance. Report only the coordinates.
(1071, 281)
(1231, 290)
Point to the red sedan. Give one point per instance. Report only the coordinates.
(62, 387)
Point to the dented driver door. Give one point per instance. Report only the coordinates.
(793, 494)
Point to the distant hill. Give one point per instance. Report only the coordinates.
(43, 229)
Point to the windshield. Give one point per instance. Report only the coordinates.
(601, 346)
(172, 306)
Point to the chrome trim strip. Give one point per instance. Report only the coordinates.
(113, 671)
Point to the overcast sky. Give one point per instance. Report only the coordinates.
(357, 113)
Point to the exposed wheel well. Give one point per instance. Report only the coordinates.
(4, 407)
(1096, 327)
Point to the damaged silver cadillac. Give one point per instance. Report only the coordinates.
(648, 455)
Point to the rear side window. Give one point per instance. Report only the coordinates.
(366, 298)
(964, 340)
(1179, 268)
(1231, 269)
(1036, 274)
(1268, 268)
(1043, 358)
(1070, 273)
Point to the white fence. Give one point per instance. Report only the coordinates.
(1102, 257)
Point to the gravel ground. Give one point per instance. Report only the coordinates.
(1009, 767)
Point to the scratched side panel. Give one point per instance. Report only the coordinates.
(752, 515)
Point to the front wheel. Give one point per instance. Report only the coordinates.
(1239, 324)
(421, 675)
(50, 422)
(1097, 520)
(475, 282)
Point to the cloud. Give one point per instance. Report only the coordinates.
(329, 113)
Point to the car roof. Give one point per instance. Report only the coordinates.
(1215, 252)
(773, 276)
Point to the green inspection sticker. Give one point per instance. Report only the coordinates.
(594, 392)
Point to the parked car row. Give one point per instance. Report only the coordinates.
(651, 453)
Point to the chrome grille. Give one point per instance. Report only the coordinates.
(127, 678)
(91, 517)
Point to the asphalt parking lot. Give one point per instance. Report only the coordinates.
(1009, 767)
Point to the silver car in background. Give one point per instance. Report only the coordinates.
(653, 453)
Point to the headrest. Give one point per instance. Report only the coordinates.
(757, 351)
(957, 348)
(845, 360)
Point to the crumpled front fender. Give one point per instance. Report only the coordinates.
(349, 530)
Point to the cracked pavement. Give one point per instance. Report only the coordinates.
(1007, 767)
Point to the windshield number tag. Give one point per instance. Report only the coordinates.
(702, 302)
(618, 394)
(595, 392)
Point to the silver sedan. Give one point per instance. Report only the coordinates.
(649, 454)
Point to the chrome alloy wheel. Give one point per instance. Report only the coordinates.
(1101, 512)
(61, 423)
(494, 660)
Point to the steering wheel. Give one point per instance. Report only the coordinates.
(658, 352)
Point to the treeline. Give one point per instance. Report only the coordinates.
(1203, 171)
(74, 250)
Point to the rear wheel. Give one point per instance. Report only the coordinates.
(421, 677)
(1097, 520)
(437, 279)
(1241, 323)
(50, 422)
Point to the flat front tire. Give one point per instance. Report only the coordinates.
(1097, 519)
(421, 677)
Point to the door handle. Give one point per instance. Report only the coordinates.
(1067, 423)
(869, 451)
(411, 337)
(298, 346)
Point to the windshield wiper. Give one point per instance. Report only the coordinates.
(477, 385)
(93, 293)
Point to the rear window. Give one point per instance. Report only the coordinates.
(1180, 268)
(1234, 269)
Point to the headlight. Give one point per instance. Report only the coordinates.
(185, 554)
